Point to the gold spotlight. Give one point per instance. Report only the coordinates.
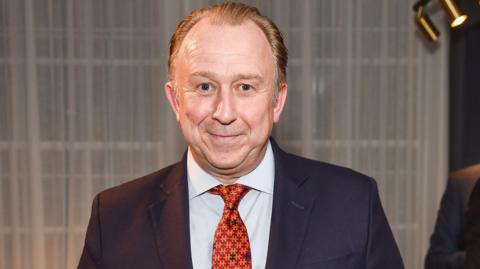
(457, 17)
(426, 25)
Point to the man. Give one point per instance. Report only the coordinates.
(236, 200)
(472, 230)
(447, 245)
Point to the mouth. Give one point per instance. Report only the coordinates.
(224, 137)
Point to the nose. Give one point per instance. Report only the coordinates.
(225, 111)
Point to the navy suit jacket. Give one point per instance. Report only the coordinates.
(323, 216)
(447, 244)
(472, 230)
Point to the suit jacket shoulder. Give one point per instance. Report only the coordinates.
(447, 244)
(330, 216)
(472, 229)
(140, 224)
(328, 182)
(140, 191)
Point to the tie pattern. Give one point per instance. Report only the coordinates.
(231, 247)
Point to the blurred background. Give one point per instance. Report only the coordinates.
(82, 108)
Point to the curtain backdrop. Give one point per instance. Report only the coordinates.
(82, 109)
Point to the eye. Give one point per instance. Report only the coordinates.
(205, 87)
(246, 87)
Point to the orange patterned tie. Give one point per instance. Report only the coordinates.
(231, 248)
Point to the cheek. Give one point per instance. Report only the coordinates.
(259, 116)
(195, 109)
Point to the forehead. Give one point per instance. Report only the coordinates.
(230, 45)
(205, 30)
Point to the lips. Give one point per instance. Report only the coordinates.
(224, 137)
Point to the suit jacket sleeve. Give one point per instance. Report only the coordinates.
(91, 254)
(382, 251)
(447, 249)
(472, 230)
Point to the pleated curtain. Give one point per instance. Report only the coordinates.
(82, 109)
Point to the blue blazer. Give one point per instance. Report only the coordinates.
(472, 230)
(323, 216)
(447, 244)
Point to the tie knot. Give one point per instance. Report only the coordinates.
(231, 194)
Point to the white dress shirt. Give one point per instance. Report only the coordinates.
(206, 210)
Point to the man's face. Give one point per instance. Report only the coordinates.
(225, 96)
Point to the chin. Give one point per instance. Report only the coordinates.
(225, 161)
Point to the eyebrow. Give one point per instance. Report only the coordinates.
(248, 76)
(211, 75)
(203, 74)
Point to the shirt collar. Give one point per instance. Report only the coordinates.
(261, 178)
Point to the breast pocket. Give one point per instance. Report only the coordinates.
(313, 258)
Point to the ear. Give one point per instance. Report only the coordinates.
(280, 102)
(172, 98)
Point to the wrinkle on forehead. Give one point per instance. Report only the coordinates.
(207, 41)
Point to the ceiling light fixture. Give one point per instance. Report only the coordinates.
(457, 17)
(426, 25)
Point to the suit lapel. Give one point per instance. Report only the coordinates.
(290, 213)
(170, 219)
(290, 216)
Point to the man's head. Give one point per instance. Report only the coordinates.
(233, 14)
(227, 86)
